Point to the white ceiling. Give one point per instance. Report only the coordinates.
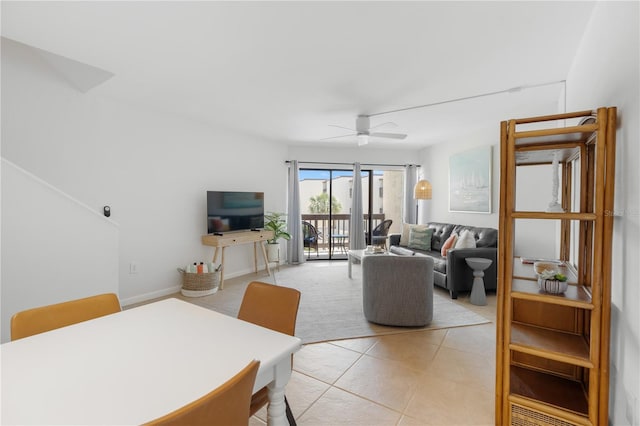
(286, 70)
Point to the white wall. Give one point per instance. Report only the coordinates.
(535, 238)
(367, 154)
(605, 72)
(435, 168)
(53, 248)
(152, 168)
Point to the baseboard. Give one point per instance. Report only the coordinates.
(149, 296)
(174, 289)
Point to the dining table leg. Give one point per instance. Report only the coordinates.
(276, 410)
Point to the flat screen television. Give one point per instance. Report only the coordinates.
(234, 211)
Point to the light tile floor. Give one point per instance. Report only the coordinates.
(438, 377)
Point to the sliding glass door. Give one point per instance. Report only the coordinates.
(326, 200)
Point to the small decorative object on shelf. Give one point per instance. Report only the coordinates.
(554, 206)
(553, 282)
(546, 265)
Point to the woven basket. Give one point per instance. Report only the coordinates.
(197, 285)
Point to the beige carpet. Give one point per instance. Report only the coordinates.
(331, 303)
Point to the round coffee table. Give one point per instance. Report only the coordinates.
(478, 264)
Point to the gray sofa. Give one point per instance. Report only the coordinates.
(452, 272)
(397, 290)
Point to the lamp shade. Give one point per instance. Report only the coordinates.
(422, 190)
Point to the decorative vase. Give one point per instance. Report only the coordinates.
(273, 252)
(552, 286)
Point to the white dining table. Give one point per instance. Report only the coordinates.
(137, 365)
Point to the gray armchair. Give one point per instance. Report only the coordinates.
(397, 290)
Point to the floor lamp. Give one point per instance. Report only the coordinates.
(422, 191)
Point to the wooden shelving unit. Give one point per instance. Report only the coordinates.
(553, 349)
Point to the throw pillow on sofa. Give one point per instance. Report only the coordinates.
(400, 251)
(449, 244)
(466, 240)
(420, 238)
(406, 230)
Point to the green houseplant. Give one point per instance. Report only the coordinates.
(552, 281)
(274, 221)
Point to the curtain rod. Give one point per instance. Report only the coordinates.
(351, 164)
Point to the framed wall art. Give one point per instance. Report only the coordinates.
(470, 181)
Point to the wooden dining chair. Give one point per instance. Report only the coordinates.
(275, 308)
(45, 318)
(227, 405)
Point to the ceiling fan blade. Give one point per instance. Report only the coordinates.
(388, 135)
(388, 123)
(338, 137)
(341, 127)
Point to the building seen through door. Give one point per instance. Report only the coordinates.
(325, 204)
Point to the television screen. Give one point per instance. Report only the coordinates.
(234, 211)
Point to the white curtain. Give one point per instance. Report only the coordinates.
(295, 247)
(356, 224)
(410, 206)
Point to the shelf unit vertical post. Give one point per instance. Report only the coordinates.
(500, 292)
(607, 251)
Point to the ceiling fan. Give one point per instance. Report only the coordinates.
(363, 131)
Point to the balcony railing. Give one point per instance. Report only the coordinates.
(334, 230)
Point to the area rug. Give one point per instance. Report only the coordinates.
(331, 303)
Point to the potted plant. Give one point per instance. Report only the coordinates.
(274, 221)
(552, 281)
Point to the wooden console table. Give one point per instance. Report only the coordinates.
(229, 239)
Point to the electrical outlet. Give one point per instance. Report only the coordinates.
(133, 268)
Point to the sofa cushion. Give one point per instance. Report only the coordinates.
(440, 264)
(406, 231)
(448, 245)
(401, 251)
(485, 237)
(466, 239)
(441, 232)
(420, 238)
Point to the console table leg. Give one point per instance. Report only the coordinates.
(266, 260)
(255, 257)
(221, 269)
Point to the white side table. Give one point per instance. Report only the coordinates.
(478, 264)
(354, 256)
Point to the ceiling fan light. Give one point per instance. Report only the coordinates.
(363, 139)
